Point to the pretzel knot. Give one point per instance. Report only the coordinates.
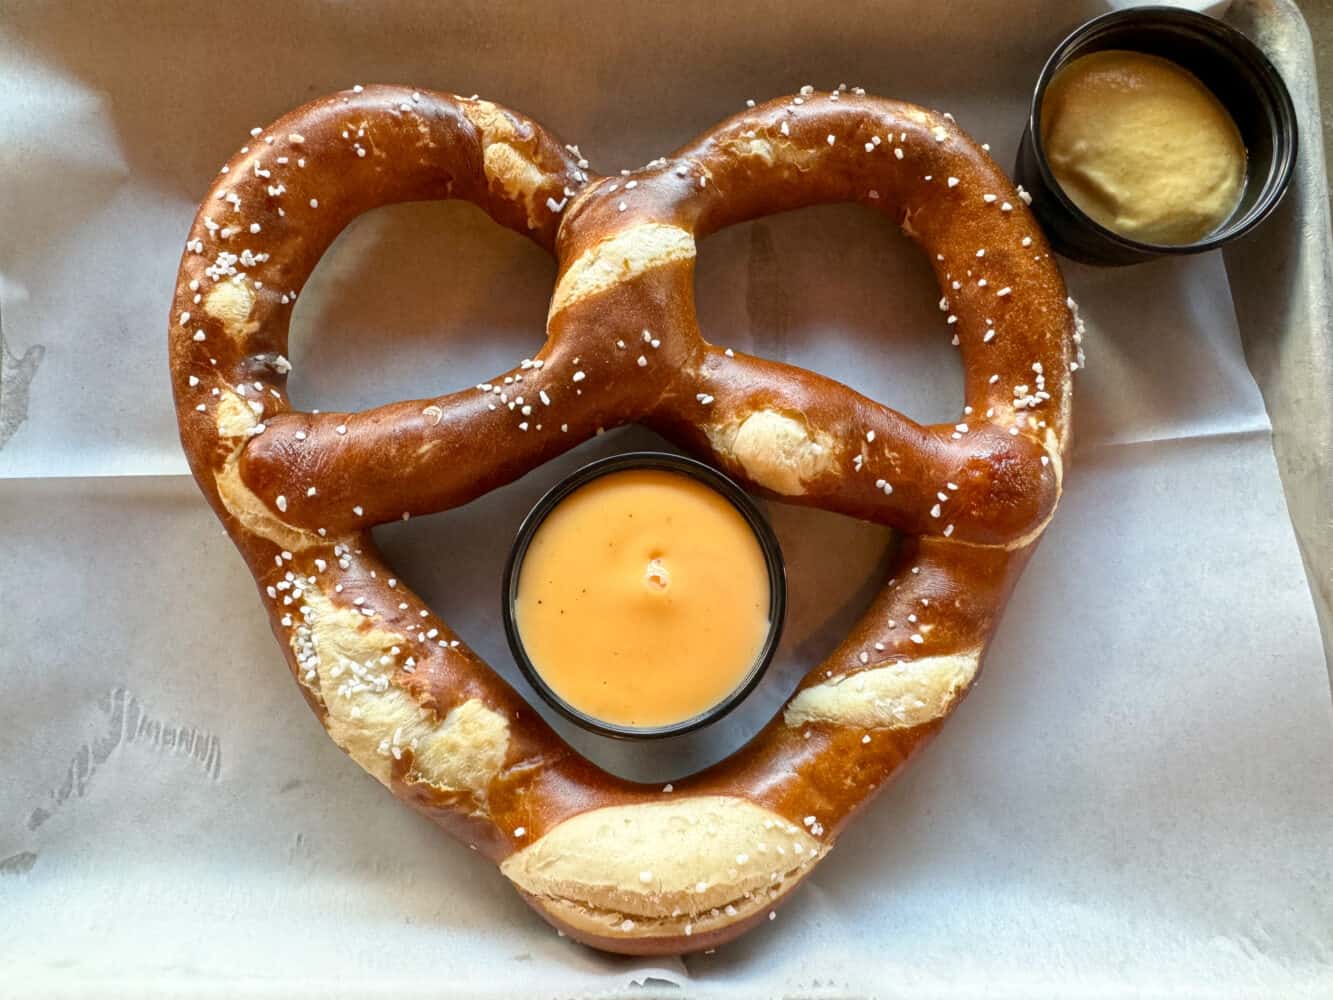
(620, 865)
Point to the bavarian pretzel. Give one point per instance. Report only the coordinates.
(623, 866)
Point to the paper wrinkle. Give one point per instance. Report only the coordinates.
(1153, 716)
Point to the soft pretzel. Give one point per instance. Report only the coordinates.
(623, 866)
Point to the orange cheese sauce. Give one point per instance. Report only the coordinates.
(643, 598)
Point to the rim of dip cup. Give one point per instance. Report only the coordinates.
(700, 472)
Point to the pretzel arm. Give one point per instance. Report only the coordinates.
(344, 471)
(813, 441)
(882, 692)
(427, 455)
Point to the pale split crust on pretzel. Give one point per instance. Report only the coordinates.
(704, 859)
(776, 450)
(618, 865)
(619, 258)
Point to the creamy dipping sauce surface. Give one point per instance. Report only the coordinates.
(643, 598)
(1144, 148)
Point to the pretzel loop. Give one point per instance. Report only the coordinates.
(622, 866)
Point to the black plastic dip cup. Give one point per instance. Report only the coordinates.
(1229, 65)
(665, 461)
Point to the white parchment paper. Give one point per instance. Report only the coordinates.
(1136, 796)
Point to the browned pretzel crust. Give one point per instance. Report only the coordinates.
(618, 865)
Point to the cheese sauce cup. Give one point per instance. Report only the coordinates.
(644, 596)
(1230, 66)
